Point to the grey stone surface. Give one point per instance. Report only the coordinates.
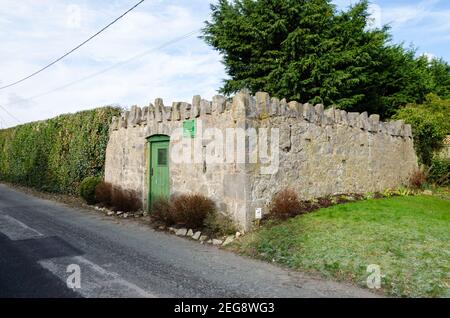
(196, 106)
(228, 240)
(181, 232)
(308, 112)
(274, 106)
(219, 104)
(263, 104)
(217, 242)
(197, 235)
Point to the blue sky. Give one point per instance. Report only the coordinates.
(32, 33)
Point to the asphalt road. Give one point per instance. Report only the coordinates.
(39, 239)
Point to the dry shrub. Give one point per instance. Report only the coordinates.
(161, 212)
(103, 193)
(191, 210)
(417, 179)
(125, 200)
(285, 204)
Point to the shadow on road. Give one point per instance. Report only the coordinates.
(20, 274)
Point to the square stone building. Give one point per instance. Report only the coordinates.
(240, 152)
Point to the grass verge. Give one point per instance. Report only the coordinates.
(408, 237)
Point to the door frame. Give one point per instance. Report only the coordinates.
(151, 140)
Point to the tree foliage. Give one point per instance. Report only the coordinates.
(430, 123)
(55, 155)
(440, 71)
(306, 50)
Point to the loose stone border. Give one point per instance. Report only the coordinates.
(181, 232)
(120, 214)
(197, 236)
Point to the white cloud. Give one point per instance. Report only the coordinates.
(74, 13)
(38, 32)
(397, 15)
(429, 56)
(376, 20)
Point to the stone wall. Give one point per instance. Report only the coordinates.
(320, 152)
(127, 153)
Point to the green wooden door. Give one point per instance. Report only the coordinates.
(159, 168)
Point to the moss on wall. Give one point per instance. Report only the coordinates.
(55, 155)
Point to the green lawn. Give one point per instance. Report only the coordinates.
(408, 237)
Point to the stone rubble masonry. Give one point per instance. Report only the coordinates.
(321, 151)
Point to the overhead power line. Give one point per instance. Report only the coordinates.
(124, 62)
(72, 50)
(11, 115)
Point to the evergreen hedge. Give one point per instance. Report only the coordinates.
(55, 155)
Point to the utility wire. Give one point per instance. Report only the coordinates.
(124, 62)
(74, 49)
(11, 115)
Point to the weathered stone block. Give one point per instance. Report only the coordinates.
(353, 119)
(293, 109)
(382, 128)
(151, 114)
(205, 107)
(185, 109)
(363, 122)
(159, 105)
(308, 112)
(319, 109)
(283, 107)
(274, 106)
(344, 117)
(167, 113)
(408, 131)
(176, 112)
(144, 116)
(240, 104)
(135, 116)
(399, 126)
(123, 122)
(262, 104)
(337, 116)
(374, 122)
(251, 111)
(196, 106)
(330, 113)
(114, 123)
(218, 104)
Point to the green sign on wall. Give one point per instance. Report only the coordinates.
(189, 128)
